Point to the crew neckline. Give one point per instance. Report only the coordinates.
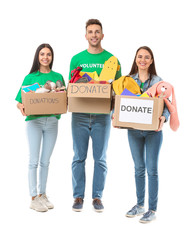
(95, 53)
(44, 73)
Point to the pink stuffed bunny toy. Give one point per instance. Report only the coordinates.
(165, 90)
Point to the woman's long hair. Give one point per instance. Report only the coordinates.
(151, 69)
(36, 63)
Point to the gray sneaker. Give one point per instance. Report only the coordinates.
(148, 217)
(38, 205)
(135, 211)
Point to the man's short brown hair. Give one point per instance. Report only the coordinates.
(93, 21)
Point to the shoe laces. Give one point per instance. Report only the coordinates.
(148, 213)
(79, 200)
(44, 196)
(97, 201)
(38, 199)
(134, 208)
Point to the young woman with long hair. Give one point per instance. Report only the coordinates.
(41, 129)
(145, 145)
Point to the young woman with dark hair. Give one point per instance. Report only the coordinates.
(41, 129)
(36, 63)
(145, 145)
(151, 70)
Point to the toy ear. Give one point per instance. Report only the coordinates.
(174, 120)
(173, 97)
(152, 90)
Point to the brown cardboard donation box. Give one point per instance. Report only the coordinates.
(44, 103)
(138, 112)
(89, 97)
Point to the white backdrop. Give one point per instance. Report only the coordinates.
(166, 27)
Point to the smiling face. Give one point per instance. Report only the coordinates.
(94, 35)
(45, 57)
(143, 59)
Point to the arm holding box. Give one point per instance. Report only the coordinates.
(20, 106)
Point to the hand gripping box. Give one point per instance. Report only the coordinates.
(44, 103)
(89, 97)
(137, 112)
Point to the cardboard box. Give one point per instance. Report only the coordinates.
(89, 98)
(44, 103)
(138, 112)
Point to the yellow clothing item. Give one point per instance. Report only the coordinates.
(126, 82)
(144, 95)
(109, 70)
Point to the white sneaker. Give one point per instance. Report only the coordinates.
(38, 205)
(46, 202)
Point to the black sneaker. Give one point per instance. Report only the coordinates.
(97, 204)
(78, 205)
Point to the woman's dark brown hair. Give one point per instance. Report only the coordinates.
(152, 68)
(36, 63)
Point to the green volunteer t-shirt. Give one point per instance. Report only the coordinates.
(91, 62)
(41, 79)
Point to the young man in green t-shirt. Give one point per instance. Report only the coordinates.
(84, 125)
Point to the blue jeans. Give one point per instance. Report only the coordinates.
(145, 147)
(41, 130)
(96, 126)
